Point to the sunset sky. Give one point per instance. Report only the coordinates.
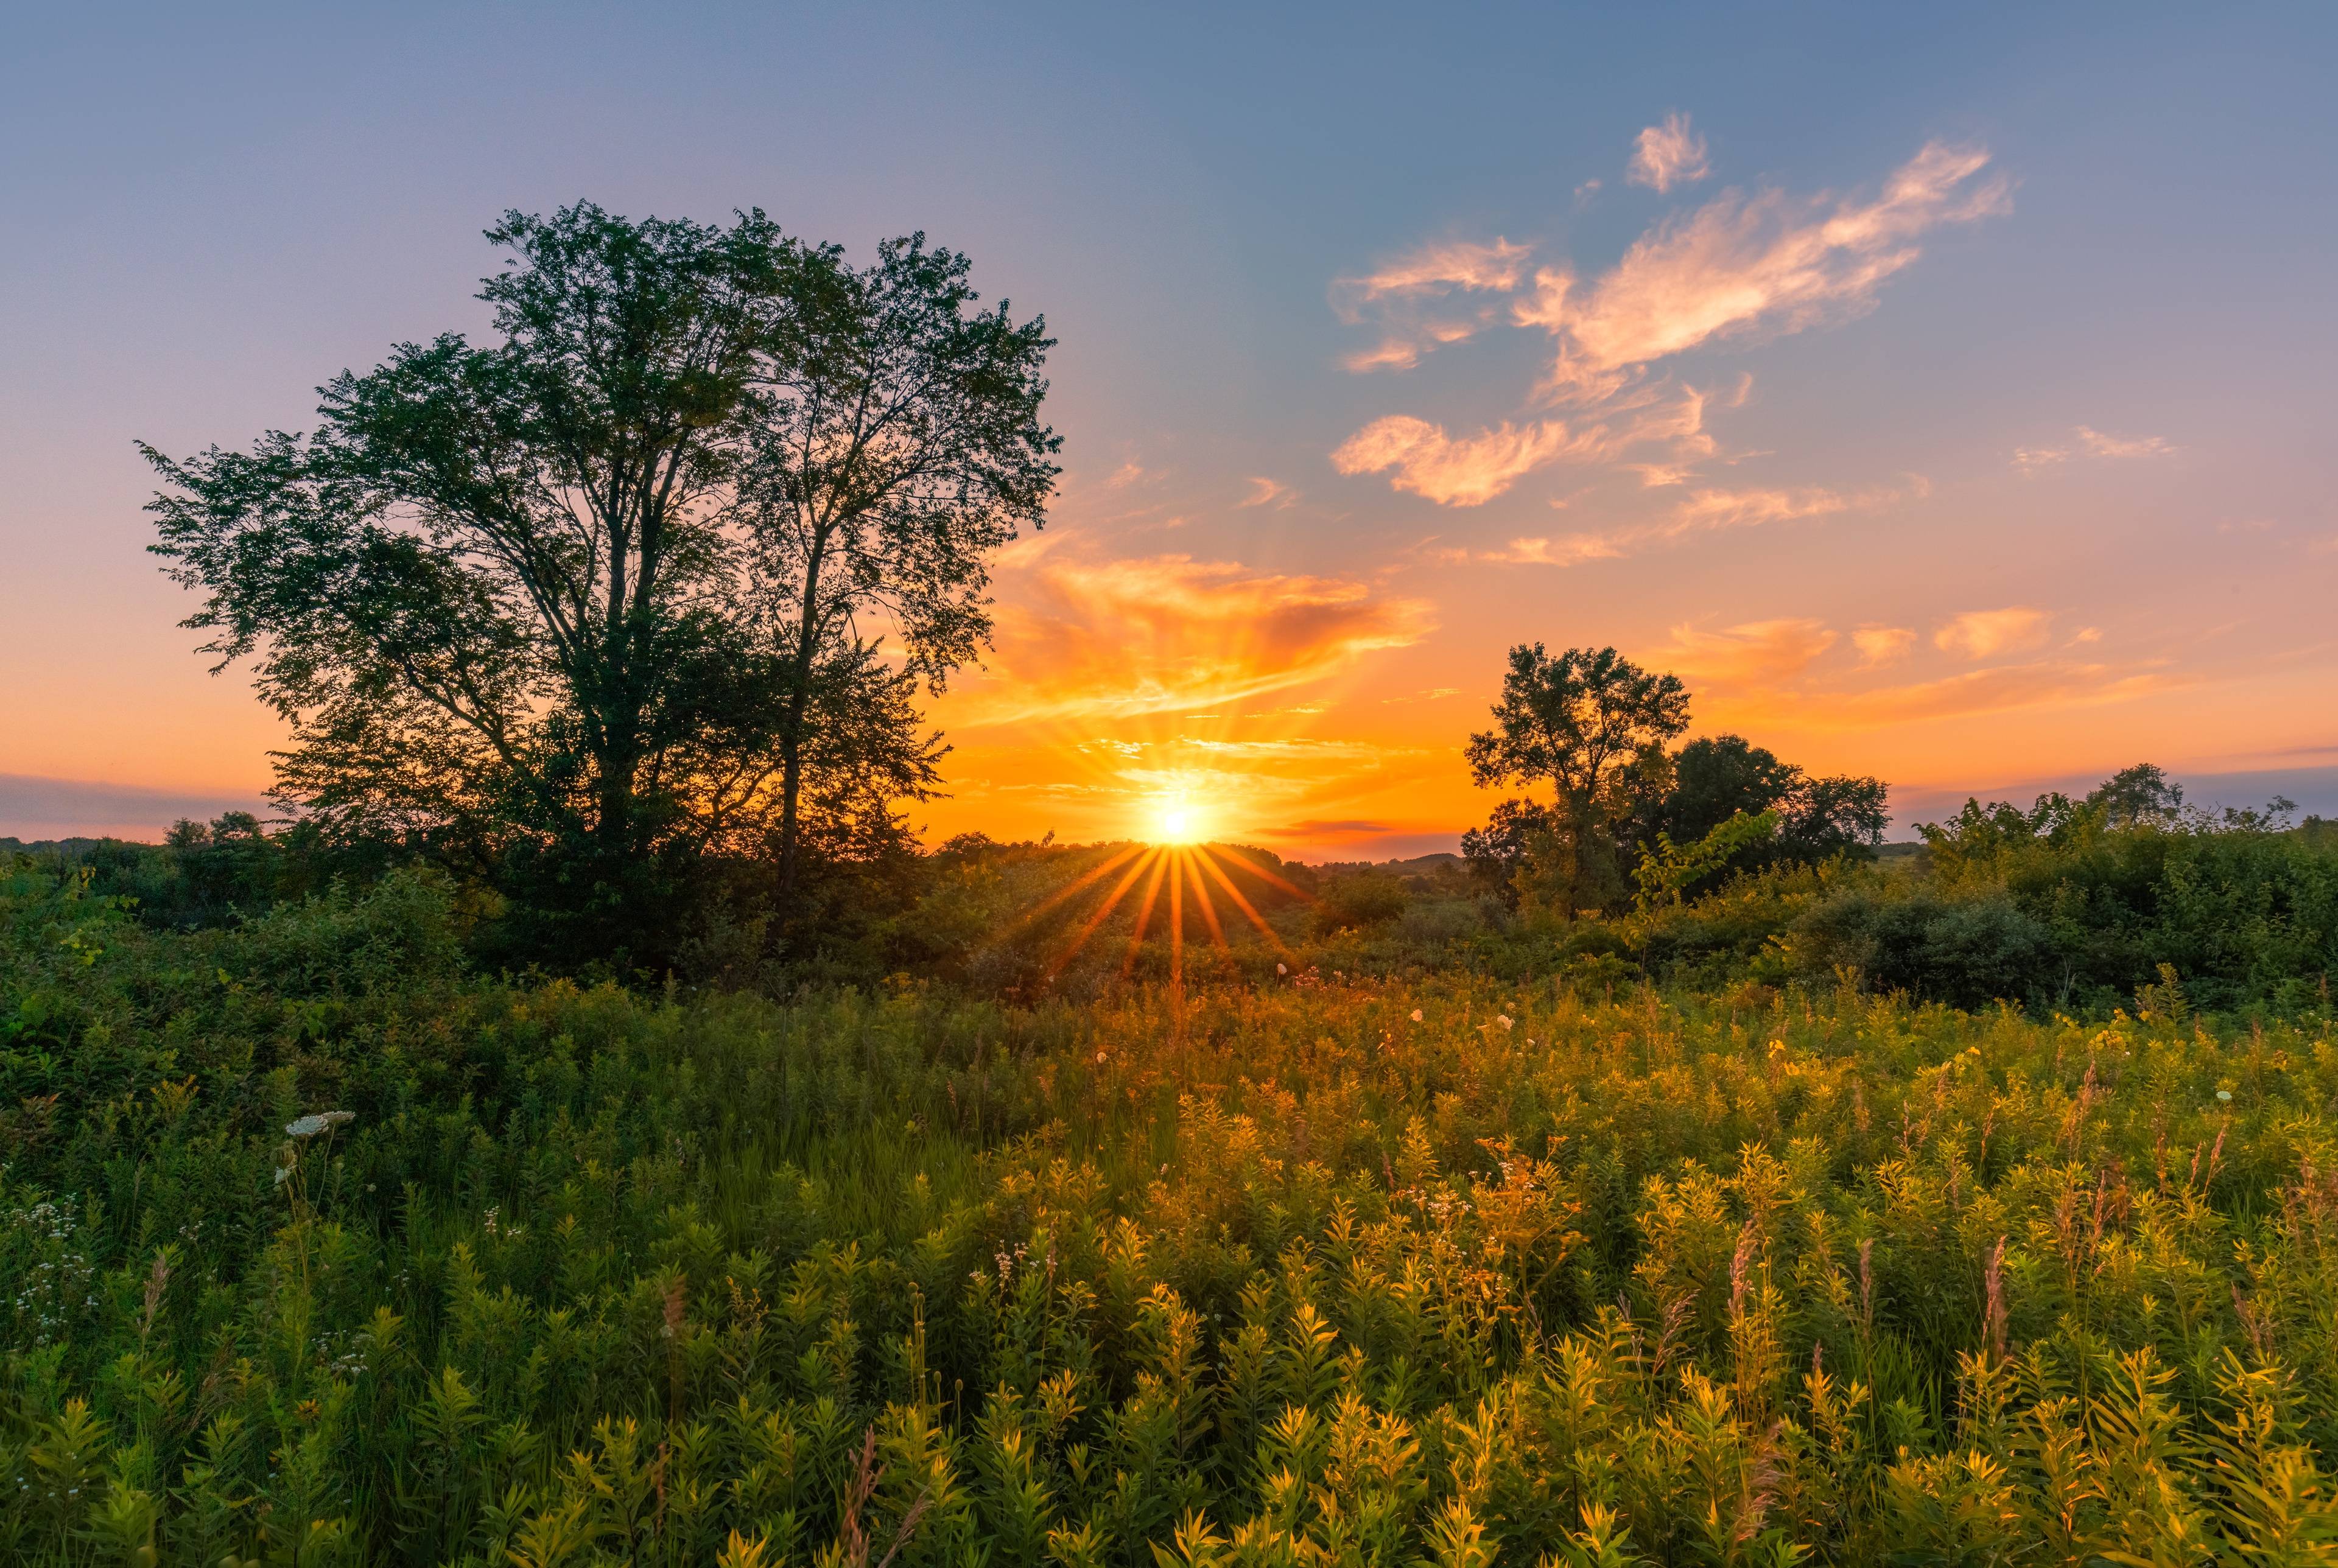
(1944, 392)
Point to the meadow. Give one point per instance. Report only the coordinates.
(321, 1247)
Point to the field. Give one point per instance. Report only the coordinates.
(1294, 1269)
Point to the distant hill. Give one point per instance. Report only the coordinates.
(1419, 866)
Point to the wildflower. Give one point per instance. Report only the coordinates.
(1415, 1015)
(1280, 969)
(2225, 1094)
(322, 1122)
(1506, 1020)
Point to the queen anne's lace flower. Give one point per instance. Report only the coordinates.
(322, 1122)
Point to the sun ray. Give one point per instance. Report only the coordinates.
(1144, 915)
(1246, 863)
(1202, 896)
(1085, 878)
(1210, 861)
(1177, 923)
(1103, 912)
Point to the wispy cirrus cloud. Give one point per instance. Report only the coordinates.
(1702, 511)
(2090, 442)
(1169, 633)
(1413, 299)
(1668, 154)
(1737, 269)
(1741, 266)
(1265, 492)
(1787, 671)
(1986, 634)
(1464, 471)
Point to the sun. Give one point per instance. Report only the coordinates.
(1177, 820)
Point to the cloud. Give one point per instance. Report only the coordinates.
(1171, 635)
(1413, 298)
(1467, 472)
(1265, 492)
(1880, 645)
(1704, 511)
(2103, 446)
(1437, 268)
(1986, 634)
(1742, 265)
(2092, 443)
(1758, 652)
(2051, 682)
(1667, 155)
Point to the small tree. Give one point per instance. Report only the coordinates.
(1720, 777)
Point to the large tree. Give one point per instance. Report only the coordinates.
(613, 583)
(1580, 721)
(1591, 726)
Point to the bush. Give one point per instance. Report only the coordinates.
(1359, 901)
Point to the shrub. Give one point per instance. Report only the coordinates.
(1360, 901)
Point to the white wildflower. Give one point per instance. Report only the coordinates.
(322, 1122)
(1415, 1015)
(1505, 1020)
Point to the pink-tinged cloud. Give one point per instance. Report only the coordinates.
(1667, 155)
(1412, 297)
(1742, 266)
(1169, 633)
(1466, 472)
(2050, 683)
(2091, 443)
(1756, 653)
(1704, 511)
(2103, 446)
(1881, 645)
(1439, 267)
(1266, 492)
(1986, 634)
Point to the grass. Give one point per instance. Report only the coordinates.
(1445, 1270)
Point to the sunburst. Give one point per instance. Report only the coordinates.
(1166, 870)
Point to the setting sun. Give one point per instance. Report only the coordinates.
(1177, 820)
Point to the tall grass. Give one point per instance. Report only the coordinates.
(1452, 1270)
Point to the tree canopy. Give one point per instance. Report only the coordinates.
(1594, 728)
(613, 589)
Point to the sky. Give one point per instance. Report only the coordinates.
(1942, 393)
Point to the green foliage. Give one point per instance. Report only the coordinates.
(1291, 1269)
(581, 607)
(1359, 902)
(1594, 726)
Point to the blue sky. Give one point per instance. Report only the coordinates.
(210, 214)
